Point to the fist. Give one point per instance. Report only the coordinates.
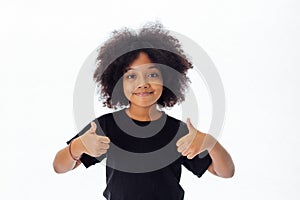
(94, 145)
(192, 143)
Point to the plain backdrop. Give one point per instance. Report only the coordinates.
(253, 44)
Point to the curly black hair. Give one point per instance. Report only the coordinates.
(124, 46)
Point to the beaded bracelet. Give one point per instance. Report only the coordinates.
(71, 152)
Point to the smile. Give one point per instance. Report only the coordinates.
(143, 94)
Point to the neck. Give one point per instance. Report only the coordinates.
(143, 113)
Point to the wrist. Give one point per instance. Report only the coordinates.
(77, 148)
(209, 142)
(201, 136)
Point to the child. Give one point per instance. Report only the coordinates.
(145, 148)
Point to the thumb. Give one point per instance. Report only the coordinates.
(189, 125)
(93, 127)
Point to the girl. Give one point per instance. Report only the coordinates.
(145, 148)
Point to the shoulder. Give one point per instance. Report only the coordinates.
(108, 116)
(106, 121)
(178, 127)
(174, 121)
(104, 116)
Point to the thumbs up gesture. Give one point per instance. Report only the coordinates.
(190, 144)
(95, 145)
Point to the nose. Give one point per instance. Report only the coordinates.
(143, 83)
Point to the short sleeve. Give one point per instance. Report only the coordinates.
(199, 164)
(86, 159)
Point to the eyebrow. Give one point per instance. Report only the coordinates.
(150, 67)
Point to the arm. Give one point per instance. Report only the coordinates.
(63, 162)
(222, 164)
(195, 142)
(89, 143)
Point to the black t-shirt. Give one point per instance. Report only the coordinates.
(142, 161)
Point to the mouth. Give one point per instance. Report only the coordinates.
(143, 94)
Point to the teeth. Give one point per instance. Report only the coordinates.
(143, 93)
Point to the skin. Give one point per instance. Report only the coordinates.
(142, 86)
(89, 143)
(195, 142)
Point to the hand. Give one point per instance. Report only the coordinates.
(190, 144)
(94, 145)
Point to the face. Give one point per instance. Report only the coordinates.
(142, 83)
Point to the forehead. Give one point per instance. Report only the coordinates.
(144, 67)
(142, 63)
(142, 59)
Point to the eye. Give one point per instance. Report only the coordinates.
(130, 76)
(153, 75)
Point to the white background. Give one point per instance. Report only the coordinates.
(254, 45)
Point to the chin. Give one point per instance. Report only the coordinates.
(143, 104)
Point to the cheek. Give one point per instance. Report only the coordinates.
(158, 88)
(128, 89)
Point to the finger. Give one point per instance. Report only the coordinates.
(186, 152)
(189, 124)
(104, 146)
(104, 139)
(181, 141)
(101, 152)
(93, 127)
(191, 155)
(181, 148)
